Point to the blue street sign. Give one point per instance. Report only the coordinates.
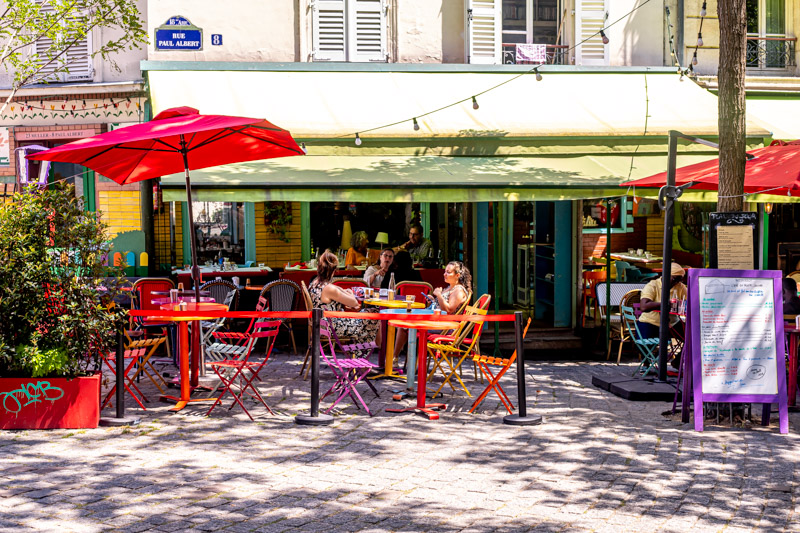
(178, 34)
(216, 39)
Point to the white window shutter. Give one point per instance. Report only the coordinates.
(79, 60)
(484, 25)
(328, 28)
(590, 18)
(366, 35)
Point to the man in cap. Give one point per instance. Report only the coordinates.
(650, 304)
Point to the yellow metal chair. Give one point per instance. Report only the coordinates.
(453, 350)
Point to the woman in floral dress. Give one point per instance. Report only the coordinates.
(330, 297)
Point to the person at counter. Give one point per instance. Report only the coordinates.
(403, 270)
(330, 297)
(791, 302)
(650, 304)
(418, 246)
(374, 275)
(359, 254)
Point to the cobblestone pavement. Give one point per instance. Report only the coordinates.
(598, 463)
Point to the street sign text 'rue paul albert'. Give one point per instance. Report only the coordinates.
(177, 33)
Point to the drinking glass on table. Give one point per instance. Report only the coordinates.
(410, 301)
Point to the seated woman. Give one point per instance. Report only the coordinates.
(403, 270)
(330, 297)
(375, 273)
(359, 254)
(459, 281)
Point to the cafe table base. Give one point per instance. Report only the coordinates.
(426, 409)
(386, 356)
(186, 368)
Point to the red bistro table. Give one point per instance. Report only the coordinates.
(422, 364)
(183, 349)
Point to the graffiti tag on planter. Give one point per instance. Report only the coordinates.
(30, 393)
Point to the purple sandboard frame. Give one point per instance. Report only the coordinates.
(695, 350)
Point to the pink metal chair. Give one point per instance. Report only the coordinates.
(348, 373)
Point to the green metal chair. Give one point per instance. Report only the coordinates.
(647, 347)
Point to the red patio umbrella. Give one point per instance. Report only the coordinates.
(176, 139)
(774, 169)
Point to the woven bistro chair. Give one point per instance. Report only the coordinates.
(282, 296)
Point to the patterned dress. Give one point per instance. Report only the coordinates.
(356, 329)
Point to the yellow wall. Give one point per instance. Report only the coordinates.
(120, 210)
(269, 248)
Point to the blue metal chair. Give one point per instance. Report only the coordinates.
(631, 274)
(248, 264)
(647, 347)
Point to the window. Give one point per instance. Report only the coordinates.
(77, 58)
(220, 230)
(349, 30)
(767, 45)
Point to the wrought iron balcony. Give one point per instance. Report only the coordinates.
(556, 54)
(776, 52)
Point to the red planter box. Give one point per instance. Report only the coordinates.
(50, 403)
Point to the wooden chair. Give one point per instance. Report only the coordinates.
(590, 281)
(349, 283)
(609, 310)
(418, 289)
(630, 300)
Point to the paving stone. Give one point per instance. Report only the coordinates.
(598, 463)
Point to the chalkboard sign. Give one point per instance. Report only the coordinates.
(736, 339)
(733, 240)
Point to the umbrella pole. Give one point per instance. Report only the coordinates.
(192, 236)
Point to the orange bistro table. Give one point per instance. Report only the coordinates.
(183, 348)
(386, 357)
(422, 326)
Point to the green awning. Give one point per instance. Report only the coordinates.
(419, 178)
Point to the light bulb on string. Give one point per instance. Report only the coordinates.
(699, 39)
(694, 58)
(358, 140)
(604, 37)
(538, 74)
(474, 103)
(703, 11)
(416, 124)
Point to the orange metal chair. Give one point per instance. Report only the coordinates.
(453, 350)
(418, 289)
(484, 363)
(590, 281)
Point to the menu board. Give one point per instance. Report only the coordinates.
(736, 340)
(737, 336)
(733, 240)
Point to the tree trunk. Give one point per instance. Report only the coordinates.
(732, 45)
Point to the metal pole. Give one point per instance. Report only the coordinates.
(314, 418)
(522, 418)
(666, 278)
(192, 236)
(608, 274)
(120, 376)
(119, 419)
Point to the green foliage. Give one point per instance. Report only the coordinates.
(56, 299)
(40, 363)
(278, 218)
(60, 26)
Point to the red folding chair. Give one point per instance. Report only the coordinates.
(484, 363)
(231, 372)
(349, 283)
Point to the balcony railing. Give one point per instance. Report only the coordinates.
(556, 54)
(776, 52)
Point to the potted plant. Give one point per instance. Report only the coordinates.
(56, 304)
